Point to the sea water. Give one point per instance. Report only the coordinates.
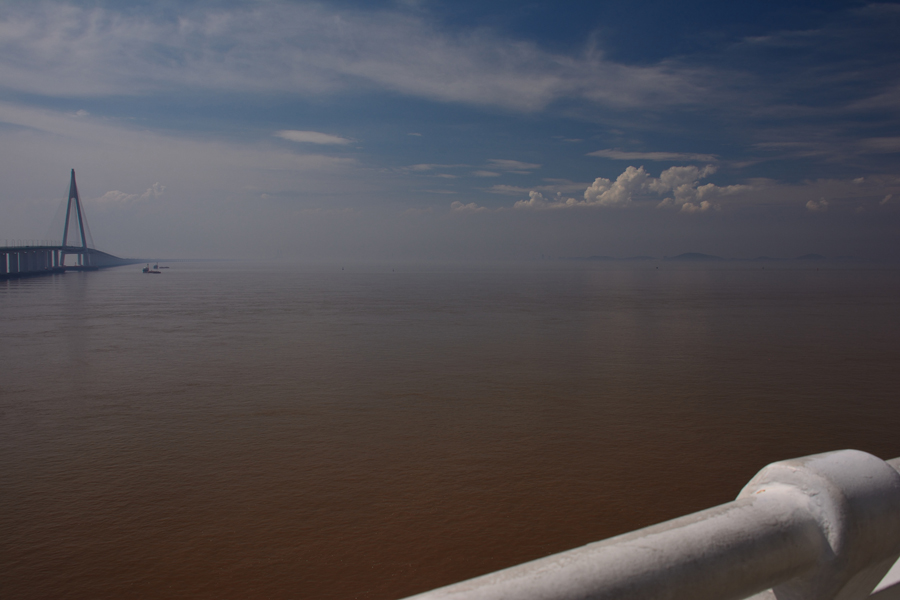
(235, 430)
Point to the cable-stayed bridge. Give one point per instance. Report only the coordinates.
(76, 252)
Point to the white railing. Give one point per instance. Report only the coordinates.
(822, 527)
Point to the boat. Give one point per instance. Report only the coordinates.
(147, 269)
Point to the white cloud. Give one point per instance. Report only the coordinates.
(310, 137)
(485, 174)
(509, 190)
(115, 197)
(690, 207)
(537, 200)
(635, 182)
(656, 156)
(154, 191)
(136, 147)
(675, 178)
(886, 199)
(514, 166)
(883, 145)
(471, 207)
(306, 48)
(554, 186)
(604, 192)
(420, 168)
(817, 205)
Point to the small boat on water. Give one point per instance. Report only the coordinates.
(147, 269)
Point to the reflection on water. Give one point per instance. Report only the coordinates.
(227, 431)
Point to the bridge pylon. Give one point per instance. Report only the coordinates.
(84, 257)
(25, 258)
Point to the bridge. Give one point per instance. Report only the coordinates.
(28, 258)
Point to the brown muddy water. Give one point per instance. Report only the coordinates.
(242, 431)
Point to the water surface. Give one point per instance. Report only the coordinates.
(249, 431)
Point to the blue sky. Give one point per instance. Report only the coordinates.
(455, 130)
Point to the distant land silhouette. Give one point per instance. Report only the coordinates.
(604, 257)
(693, 256)
(699, 257)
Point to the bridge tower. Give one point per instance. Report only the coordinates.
(84, 257)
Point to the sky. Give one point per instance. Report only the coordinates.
(464, 130)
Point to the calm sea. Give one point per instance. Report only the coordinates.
(227, 430)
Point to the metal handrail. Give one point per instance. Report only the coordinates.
(822, 527)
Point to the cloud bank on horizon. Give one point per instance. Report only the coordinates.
(448, 131)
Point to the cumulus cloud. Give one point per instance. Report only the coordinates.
(604, 192)
(690, 207)
(117, 198)
(635, 182)
(537, 200)
(817, 205)
(553, 186)
(470, 207)
(311, 137)
(675, 178)
(154, 191)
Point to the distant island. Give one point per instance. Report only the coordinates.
(701, 257)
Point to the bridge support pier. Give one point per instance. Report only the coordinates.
(3, 263)
(13, 262)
